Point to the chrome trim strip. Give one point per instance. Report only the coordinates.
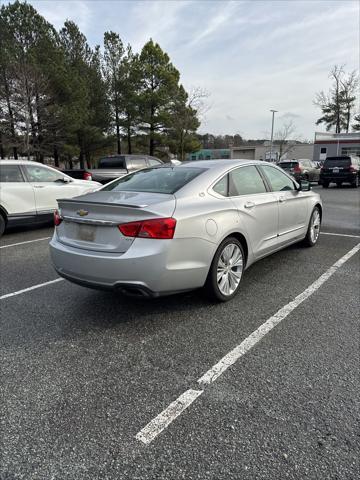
(292, 230)
(90, 221)
(88, 202)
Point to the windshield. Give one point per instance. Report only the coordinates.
(331, 162)
(155, 180)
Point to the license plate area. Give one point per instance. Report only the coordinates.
(86, 233)
(335, 170)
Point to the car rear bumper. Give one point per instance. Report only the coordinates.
(337, 177)
(148, 268)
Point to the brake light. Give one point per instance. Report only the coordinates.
(297, 169)
(160, 228)
(87, 176)
(352, 169)
(57, 218)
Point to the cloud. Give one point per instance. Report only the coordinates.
(58, 12)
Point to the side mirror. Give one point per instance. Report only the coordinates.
(66, 180)
(304, 186)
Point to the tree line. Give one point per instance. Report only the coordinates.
(61, 98)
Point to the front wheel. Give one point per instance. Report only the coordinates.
(313, 231)
(226, 270)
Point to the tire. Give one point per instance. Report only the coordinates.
(2, 224)
(355, 184)
(338, 184)
(326, 185)
(229, 260)
(313, 231)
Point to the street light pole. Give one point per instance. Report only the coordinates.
(272, 133)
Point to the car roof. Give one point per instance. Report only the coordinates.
(23, 162)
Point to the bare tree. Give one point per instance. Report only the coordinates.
(284, 137)
(348, 96)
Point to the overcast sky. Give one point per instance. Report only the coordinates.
(249, 55)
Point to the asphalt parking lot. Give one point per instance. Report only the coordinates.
(86, 374)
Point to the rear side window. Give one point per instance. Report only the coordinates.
(137, 163)
(331, 162)
(222, 186)
(112, 162)
(10, 173)
(153, 162)
(155, 180)
(245, 181)
(279, 182)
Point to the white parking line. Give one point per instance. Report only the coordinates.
(23, 243)
(340, 234)
(163, 420)
(34, 287)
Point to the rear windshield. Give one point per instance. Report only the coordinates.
(112, 162)
(337, 162)
(155, 180)
(288, 164)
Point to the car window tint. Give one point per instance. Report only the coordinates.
(113, 162)
(155, 180)
(10, 173)
(278, 180)
(221, 187)
(245, 181)
(42, 174)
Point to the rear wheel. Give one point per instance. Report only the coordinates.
(355, 183)
(326, 185)
(226, 270)
(313, 232)
(2, 224)
(339, 184)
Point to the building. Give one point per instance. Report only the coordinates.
(291, 150)
(209, 154)
(335, 144)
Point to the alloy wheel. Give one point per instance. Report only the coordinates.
(315, 226)
(229, 269)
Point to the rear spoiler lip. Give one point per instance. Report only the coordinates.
(86, 202)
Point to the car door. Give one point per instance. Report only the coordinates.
(49, 185)
(257, 207)
(293, 205)
(16, 194)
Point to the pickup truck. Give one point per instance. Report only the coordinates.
(115, 166)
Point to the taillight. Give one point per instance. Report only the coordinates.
(87, 176)
(161, 228)
(352, 169)
(297, 169)
(57, 218)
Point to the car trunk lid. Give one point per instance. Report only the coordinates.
(91, 221)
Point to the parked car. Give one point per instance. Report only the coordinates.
(339, 170)
(29, 190)
(115, 166)
(174, 228)
(301, 169)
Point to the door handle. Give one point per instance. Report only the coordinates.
(282, 199)
(249, 205)
(39, 186)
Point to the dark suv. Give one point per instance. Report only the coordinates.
(343, 169)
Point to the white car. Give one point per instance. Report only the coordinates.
(29, 191)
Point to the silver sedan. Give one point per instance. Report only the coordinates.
(174, 228)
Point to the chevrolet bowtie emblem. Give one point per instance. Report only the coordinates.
(82, 213)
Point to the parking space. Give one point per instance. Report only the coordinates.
(83, 372)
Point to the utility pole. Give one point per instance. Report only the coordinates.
(272, 133)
